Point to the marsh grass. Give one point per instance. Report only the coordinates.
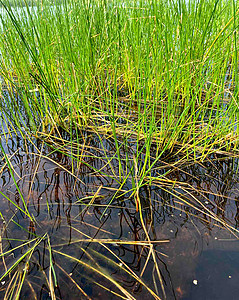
(153, 71)
(144, 88)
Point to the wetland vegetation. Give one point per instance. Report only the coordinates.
(119, 149)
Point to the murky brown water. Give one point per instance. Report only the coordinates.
(200, 261)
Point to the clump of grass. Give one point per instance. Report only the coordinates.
(159, 72)
(154, 79)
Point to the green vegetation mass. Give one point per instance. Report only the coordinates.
(165, 72)
(154, 78)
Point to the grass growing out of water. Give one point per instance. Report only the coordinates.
(152, 77)
(161, 72)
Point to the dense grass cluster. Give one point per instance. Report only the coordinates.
(144, 88)
(164, 72)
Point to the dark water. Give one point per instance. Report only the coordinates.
(198, 260)
(218, 271)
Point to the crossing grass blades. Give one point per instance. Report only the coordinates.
(120, 97)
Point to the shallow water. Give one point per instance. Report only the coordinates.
(199, 254)
(86, 220)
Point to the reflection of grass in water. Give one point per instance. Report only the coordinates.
(19, 269)
(16, 274)
(184, 197)
(117, 89)
(8, 163)
(184, 194)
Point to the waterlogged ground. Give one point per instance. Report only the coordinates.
(87, 222)
(73, 224)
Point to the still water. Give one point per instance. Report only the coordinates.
(197, 256)
(94, 231)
